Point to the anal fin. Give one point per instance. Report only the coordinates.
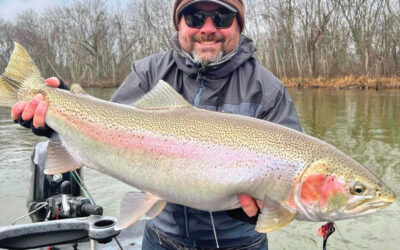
(273, 216)
(134, 205)
(156, 209)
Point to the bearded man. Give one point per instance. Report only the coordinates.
(212, 66)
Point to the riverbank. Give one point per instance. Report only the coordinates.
(348, 82)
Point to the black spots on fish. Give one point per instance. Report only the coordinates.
(203, 143)
(325, 166)
(377, 192)
(85, 118)
(266, 167)
(260, 157)
(96, 132)
(109, 127)
(91, 120)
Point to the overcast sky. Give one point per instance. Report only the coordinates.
(10, 8)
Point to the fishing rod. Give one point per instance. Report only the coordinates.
(56, 232)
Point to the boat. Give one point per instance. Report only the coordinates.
(62, 218)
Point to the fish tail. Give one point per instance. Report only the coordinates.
(21, 73)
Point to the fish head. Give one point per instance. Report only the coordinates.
(337, 188)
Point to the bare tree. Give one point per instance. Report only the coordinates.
(94, 43)
(6, 40)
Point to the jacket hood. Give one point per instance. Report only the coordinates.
(245, 50)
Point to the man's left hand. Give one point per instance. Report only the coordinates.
(249, 204)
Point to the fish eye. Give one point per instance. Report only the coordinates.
(357, 189)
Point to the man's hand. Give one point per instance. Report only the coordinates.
(249, 210)
(249, 205)
(34, 113)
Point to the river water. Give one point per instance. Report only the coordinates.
(363, 124)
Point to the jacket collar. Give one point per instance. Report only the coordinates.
(221, 69)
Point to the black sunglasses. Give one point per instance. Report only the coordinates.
(221, 20)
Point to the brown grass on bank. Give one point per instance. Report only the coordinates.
(107, 83)
(347, 82)
(361, 82)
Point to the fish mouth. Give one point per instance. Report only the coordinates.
(369, 206)
(384, 201)
(392, 198)
(364, 203)
(378, 204)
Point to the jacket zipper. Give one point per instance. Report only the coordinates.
(186, 222)
(200, 92)
(196, 104)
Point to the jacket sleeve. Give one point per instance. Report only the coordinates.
(136, 84)
(279, 108)
(144, 75)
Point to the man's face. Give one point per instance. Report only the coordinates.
(208, 44)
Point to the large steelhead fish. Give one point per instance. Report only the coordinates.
(176, 153)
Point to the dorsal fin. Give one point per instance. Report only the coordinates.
(77, 89)
(162, 96)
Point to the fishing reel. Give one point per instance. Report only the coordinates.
(56, 196)
(65, 206)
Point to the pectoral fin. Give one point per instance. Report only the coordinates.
(59, 160)
(273, 216)
(136, 204)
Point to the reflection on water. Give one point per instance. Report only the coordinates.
(363, 124)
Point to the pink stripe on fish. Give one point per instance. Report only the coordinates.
(169, 146)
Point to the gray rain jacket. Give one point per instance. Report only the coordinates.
(240, 85)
